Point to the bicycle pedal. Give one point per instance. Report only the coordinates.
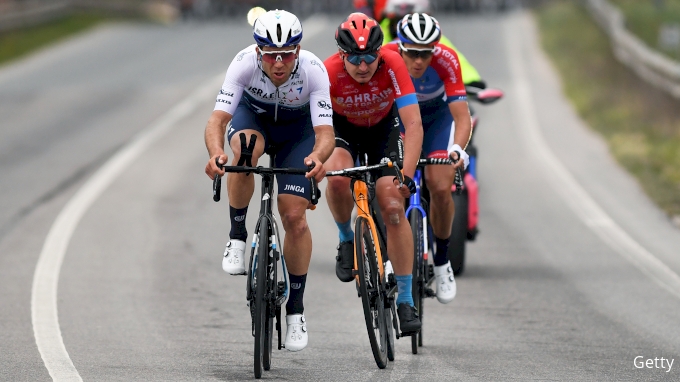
(409, 334)
(430, 293)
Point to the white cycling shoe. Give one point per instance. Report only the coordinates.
(296, 333)
(233, 260)
(446, 285)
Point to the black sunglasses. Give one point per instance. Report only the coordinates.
(415, 53)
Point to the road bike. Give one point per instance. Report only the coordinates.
(423, 271)
(464, 226)
(267, 283)
(376, 290)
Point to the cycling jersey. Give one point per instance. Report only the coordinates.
(470, 74)
(442, 77)
(305, 92)
(439, 85)
(285, 116)
(367, 104)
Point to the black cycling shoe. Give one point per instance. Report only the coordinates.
(345, 261)
(409, 323)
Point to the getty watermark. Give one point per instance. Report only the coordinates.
(641, 362)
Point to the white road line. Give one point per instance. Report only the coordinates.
(44, 313)
(585, 207)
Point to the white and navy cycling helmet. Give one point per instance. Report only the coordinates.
(278, 29)
(419, 28)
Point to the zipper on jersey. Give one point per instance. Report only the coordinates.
(276, 106)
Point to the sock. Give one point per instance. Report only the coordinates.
(441, 257)
(346, 233)
(238, 223)
(404, 284)
(297, 290)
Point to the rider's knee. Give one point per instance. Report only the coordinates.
(442, 195)
(294, 221)
(393, 212)
(337, 184)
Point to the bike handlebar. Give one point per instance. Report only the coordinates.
(458, 177)
(260, 170)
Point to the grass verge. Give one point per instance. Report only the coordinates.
(645, 18)
(640, 123)
(19, 42)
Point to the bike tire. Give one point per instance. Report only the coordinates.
(418, 284)
(390, 312)
(370, 290)
(260, 298)
(459, 229)
(270, 314)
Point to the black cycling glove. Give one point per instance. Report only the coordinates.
(408, 182)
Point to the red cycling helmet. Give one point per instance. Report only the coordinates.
(359, 34)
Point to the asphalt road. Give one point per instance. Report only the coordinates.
(573, 276)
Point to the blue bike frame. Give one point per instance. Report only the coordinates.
(414, 203)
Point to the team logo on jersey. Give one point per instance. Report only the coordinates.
(395, 84)
(324, 105)
(258, 92)
(226, 93)
(315, 62)
(292, 187)
(258, 110)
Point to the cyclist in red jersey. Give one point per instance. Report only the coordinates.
(370, 91)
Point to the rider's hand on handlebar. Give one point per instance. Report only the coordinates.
(211, 168)
(457, 153)
(318, 171)
(407, 188)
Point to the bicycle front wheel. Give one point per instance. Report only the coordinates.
(418, 285)
(260, 301)
(370, 289)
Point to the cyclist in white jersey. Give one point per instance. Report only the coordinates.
(279, 93)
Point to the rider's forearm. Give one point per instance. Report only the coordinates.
(324, 142)
(463, 123)
(214, 134)
(413, 142)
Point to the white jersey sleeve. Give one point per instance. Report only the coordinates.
(319, 93)
(238, 76)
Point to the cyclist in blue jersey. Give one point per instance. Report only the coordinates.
(436, 74)
(278, 93)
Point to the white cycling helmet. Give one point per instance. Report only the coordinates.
(419, 28)
(278, 29)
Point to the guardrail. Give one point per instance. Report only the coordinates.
(17, 14)
(650, 65)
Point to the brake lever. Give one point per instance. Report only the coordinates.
(399, 176)
(217, 183)
(458, 178)
(314, 192)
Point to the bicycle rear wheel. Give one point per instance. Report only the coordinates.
(260, 297)
(418, 286)
(370, 290)
(459, 229)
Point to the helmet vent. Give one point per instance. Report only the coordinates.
(278, 31)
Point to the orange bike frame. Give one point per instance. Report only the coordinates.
(363, 208)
